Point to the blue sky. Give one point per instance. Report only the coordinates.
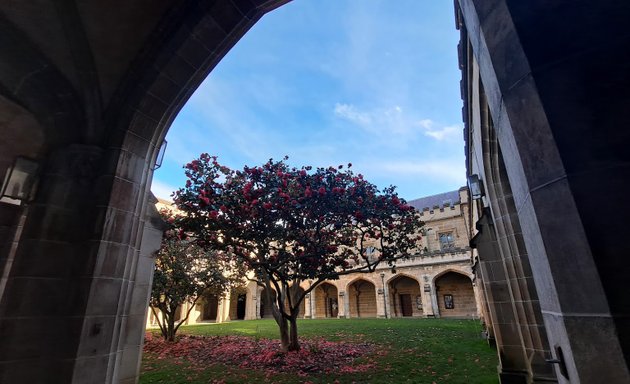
(374, 83)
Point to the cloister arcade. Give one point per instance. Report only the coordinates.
(357, 296)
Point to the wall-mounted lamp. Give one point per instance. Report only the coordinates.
(160, 155)
(475, 186)
(342, 293)
(20, 181)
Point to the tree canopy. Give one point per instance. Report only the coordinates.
(289, 224)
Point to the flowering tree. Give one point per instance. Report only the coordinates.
(184, 272)
(288, 225)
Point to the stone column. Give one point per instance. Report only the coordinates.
(514, 365)
(425, 293)
(435, 308)
(311, 308)
(558, 110)
(60, 264)
(135, 328)
(252, 301)
(344, 305)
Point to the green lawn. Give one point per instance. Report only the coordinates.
(413, 351)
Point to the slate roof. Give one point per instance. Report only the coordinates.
(429, 202)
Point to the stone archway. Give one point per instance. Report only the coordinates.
(327, 301)
(362, 298)
(266, 302)
(405, 298)
(108, 81)
(238, 303)
(455, 295)
(210, 308)
(295, 291)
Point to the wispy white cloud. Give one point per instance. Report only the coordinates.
(440, 133)
(381, 121)
(395, 124)
(162, 190)
(350, 113)
(448, 132)
(449, 170)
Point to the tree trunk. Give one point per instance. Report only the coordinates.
(170, 329)
(283, 325)
(294, 344)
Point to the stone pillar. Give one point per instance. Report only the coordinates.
(558, 115)
(344, 305)
(386, 301)
(252, 300)
(223, 312)
(435, 308)
(310, 306)
(62, 272)
(135, 328)
(425, 293)
(514, 367)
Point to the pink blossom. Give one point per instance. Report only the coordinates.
(322, 191)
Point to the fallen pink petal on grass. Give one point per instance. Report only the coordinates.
(316, 355)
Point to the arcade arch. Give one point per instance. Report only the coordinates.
(210, 307)
(455, 294)
(238, 303)
(326, 301)
(405, 297)
(361, 298)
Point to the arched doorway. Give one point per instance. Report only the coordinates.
(404, 297)
(266, 303)
(455, 295)
(238, 302)
(326, 301)
(241, 305)
(362, 299)
(265, 311)
(295, 292)
(210, 308)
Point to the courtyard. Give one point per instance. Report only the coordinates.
(333, 351)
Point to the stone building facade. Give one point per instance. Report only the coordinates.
(438, 282)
